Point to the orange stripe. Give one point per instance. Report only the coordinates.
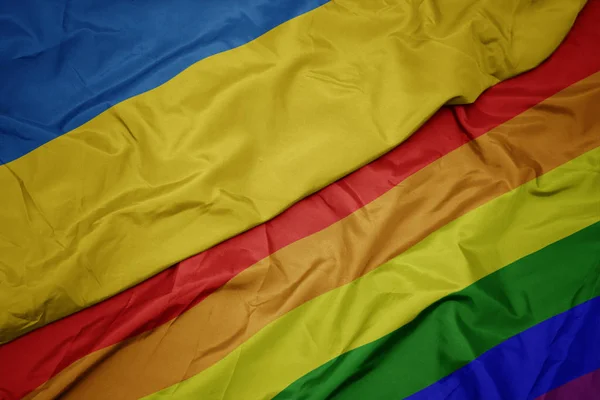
(510, 155)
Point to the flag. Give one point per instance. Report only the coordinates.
(459, 260)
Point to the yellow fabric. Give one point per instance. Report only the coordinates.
(498, 233)
(238, 137)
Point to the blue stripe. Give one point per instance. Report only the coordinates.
(530, 364)
(63, 62)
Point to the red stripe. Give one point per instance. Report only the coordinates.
(32, 359)
(586, 387)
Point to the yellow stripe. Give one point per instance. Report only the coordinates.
(498, 233)
(238, 137)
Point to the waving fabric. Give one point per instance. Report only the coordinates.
(462, 264)
(227, 143)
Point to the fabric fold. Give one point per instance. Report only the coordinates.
(168, 294)
(488, 179)
(238, 137)
(524, 366)
(471, 343)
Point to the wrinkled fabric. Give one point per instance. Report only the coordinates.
(459, 328)
(275, 296)
(175, 290)
(531, 363)
(64, 62)
(585, 387)
(462, 252)
(236, 138)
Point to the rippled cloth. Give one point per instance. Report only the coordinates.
(474, 241)
(93, 204)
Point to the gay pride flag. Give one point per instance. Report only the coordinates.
(308, 199)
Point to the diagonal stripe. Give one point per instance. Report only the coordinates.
(167, 174)
(521, 222)
(531, 363)
(156, 301)
(98, 53)
(586, 387)
(462, 326)
(311, 267)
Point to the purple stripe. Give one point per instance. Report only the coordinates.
(586, 387)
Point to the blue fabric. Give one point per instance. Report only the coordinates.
(63, 62)
(530, 364)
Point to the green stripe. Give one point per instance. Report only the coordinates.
(460, 327)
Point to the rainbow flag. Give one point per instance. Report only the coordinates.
(309, 199)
